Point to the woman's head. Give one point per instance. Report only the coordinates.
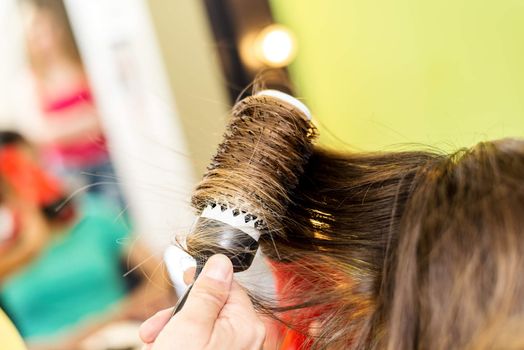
(458, 279)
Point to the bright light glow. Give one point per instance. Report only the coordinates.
(276, 46)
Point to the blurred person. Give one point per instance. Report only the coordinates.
(62, 263)
(69, 129)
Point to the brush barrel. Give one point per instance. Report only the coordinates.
(257, 166)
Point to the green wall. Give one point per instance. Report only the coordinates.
(376, 73)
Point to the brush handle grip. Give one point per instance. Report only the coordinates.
(180, 304)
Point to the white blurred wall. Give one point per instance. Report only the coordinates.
(143, 124)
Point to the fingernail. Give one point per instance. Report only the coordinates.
(218, 267)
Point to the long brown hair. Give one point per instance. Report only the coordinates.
(403, 250)
(458, 281)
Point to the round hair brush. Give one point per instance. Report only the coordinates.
(246, 190)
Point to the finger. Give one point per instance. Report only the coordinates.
(189, 275)
(151, 327)
(239, 313)
(193, 325)
(239, 298)
(205, 301)
(238, 304)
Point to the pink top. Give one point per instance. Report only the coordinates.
(85, 151)
(75, 98)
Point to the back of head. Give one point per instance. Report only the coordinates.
(409, 250)
(458, 280)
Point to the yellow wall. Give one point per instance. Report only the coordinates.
(446, 73)
(9, 338)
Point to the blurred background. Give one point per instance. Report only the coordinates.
(111, 109)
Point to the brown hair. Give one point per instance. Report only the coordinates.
(458, 279)
(405, 250)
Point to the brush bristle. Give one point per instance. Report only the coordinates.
(259, 162)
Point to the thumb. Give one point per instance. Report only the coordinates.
(209, 294)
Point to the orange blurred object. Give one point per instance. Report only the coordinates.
(27, 178)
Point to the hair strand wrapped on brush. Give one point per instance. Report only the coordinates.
(405, 250)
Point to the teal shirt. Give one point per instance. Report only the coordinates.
(78, 275)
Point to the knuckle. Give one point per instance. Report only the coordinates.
(210, 295)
